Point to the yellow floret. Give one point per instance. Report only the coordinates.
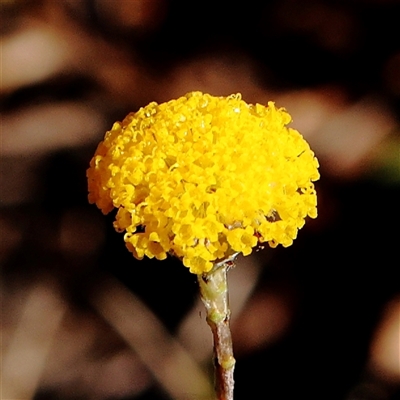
(204, 177)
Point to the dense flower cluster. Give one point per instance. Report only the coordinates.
(204, 177)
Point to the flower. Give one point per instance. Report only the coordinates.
(203, 178)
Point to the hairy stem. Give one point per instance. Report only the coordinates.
(214, 294)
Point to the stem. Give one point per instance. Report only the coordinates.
(214, 294)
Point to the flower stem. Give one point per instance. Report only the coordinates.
(214, 294)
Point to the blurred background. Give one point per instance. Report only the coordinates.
(81, 318)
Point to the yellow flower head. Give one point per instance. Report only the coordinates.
(203, 178)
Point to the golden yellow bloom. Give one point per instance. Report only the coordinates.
(203, 178)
